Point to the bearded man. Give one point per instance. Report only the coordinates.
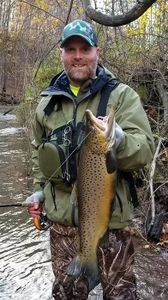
(58, 128)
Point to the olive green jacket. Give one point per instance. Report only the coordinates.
(135, 150)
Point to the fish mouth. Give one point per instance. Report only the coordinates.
(101, 124)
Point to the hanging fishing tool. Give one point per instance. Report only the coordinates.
(41, 222)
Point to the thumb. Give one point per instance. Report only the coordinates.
(37, 205)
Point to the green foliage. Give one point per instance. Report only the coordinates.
(41, 81)
(142, 92)
(48, 69)
(25, 115)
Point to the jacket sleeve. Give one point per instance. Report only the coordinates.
(137, 147)
(38, 133)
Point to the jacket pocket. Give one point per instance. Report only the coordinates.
(52, 161)
(61, 206)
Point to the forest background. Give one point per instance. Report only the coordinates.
(137, 53)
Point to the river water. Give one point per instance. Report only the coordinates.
(25, 265)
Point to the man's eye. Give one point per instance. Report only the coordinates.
(86, 49)
(69, 49)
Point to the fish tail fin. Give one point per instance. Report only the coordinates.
(87, 269)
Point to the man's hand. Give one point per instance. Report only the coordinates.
(119, 133)
(34, 203)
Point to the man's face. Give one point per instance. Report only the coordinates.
(79, 60)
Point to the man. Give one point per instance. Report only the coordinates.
(58, 132)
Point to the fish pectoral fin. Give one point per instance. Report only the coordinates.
(111, 162)
(87, 269)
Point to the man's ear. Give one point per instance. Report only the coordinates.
(98, 51)
(61, 54)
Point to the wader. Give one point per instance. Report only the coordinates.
(115, 261)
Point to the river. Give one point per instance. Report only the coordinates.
(25, 265)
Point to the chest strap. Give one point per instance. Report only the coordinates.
(105, 94)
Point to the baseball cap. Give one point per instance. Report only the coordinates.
(80, 28)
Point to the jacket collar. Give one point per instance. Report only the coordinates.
(60, 83)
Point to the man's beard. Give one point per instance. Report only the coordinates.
(78, 76)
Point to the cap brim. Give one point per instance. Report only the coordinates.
(77, 34)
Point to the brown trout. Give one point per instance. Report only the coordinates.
(95, 192)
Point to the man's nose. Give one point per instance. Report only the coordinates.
(78, 54)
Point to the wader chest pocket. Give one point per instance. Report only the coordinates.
(52, 160)
(58, 153)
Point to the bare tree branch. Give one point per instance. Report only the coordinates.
(69, 11)
(39, 8)
(128, 17)
(152, 172)
(56, 44)
(44, 57)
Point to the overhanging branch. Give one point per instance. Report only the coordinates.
(119, 20)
